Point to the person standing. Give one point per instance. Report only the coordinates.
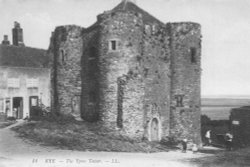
(229, 141)
(184, 145)
(208, 140)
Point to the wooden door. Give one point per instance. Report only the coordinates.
(154, 130)
(34, 106)
(76, 106)
(21, 109)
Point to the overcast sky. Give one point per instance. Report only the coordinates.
(225, 30)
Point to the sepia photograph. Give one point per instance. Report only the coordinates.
(124, 83)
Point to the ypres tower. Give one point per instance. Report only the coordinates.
(130, 72)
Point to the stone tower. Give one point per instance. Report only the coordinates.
(129, 71)
(66, 51)
(17, 35)
(185, 44)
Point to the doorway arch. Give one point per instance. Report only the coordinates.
(155, 130)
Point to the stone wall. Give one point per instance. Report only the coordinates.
(16, 82)
(185, 43)
(132, 106)
(156, 71)
(66, 48)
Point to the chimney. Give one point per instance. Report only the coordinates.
(17, 34)
(5, 40)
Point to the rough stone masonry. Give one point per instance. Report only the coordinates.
(130, 72)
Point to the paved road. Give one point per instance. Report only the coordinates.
(15, 151)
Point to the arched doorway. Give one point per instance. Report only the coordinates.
(154, 130)
(76, 106)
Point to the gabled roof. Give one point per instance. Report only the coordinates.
(14, 56)
(130, 6)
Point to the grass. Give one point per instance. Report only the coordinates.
(84, 137)
(237, 158)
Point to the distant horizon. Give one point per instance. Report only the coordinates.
(230, 96)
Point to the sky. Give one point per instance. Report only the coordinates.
(225, 31)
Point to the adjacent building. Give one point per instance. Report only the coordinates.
(24, 77)
(240, 125)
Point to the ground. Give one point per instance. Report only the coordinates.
(17, 151)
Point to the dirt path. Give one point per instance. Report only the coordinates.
(15, 151)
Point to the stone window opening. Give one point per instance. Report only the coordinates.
(62, 56)
(193, 53)
(113, 45)
(121, 81)
(147, 29)
(154, 29)
(179, 100)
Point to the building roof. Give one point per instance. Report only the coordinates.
(14, 56)
(130, 6)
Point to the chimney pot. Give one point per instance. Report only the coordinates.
(17, 34)
(5, 40)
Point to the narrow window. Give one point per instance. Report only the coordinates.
(113, 45)
(179, 100)
(120, 98)
(62, 56)
(193, 55)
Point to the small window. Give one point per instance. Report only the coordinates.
(179, 100)
(193, 53)
(62, 52)
(32, 82)
(153, 29)
(147, 29)
(113, 45)
(33, 101)
(13, 82)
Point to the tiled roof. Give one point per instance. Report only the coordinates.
(14, 56)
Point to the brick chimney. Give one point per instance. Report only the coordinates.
(5, 40)
(17, 34)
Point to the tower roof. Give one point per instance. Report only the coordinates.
(127, 5)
